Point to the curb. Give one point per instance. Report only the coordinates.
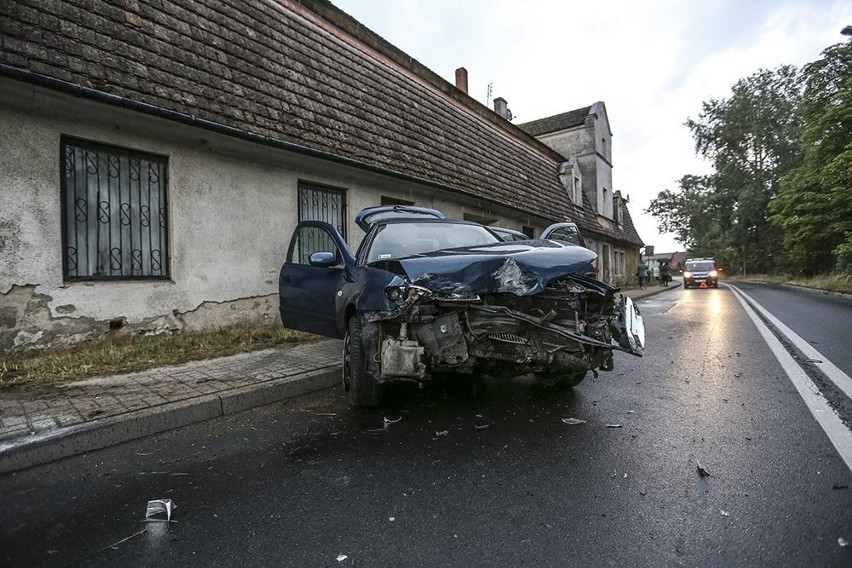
(97, 434)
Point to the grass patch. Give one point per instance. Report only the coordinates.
(129, 354)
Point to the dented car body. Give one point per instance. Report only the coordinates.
(426, 297)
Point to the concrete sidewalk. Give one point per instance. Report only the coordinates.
(42, 424)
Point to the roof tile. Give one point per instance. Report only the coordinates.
(290, 72)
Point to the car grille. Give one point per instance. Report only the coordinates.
(508, 338)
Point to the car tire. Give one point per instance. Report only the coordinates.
(363, 389)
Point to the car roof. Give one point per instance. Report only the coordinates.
(369, 216)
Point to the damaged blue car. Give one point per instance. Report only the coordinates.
(427, 297)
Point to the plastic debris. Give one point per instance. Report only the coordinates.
(341, 557)
(724, 513)
(701, 471)
(442, 433)
(843, 542)
(388, 422)
(159, 510)
(573, 421)
(613, 426)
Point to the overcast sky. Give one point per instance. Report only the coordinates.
(652, 62)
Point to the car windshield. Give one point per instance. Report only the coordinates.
(397, 240)
(700, 266)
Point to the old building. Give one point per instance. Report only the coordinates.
(158, 155)
(583, 136)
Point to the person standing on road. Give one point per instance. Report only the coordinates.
(642, 274)
(665, 274)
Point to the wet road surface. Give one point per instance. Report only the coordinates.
(440, 478)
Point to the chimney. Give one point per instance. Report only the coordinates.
(461, 79)
(501, 107)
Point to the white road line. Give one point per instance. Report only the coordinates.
(829, 369)
(824, 414)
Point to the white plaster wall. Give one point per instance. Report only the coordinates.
(603, 148)
(232, 208)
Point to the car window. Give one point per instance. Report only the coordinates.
(309, 240)
(509, 236)
(398, 240)
(568, 234)
(700, 265)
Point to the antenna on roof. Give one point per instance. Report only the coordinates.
(488, 96)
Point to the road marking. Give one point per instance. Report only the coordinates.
(822, 412)
(820, 361)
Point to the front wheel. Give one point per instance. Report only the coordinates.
(362, 388)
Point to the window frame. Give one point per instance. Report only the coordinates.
(136, 219)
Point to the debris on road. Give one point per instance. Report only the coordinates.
(388, 422)
(442, 433)
(843, 542)
(482, 426)
(341, 557)
(613, 426)
(573, 421)
(701, 471)
(159, 510)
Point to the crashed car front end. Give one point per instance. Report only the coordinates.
(502, 315)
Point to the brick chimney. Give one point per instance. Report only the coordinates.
(461, 79)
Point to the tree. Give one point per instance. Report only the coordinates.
(814, 205)
(751, 138)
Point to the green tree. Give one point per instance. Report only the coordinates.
(752, 139)
(814, 205)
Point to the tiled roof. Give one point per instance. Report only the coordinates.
(302, 75)
(556, 122)
(628, 232)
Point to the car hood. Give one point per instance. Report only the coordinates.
(523, 268)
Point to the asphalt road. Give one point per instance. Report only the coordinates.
(496, 479)
(824, 320)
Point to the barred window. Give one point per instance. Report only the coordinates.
(114, 213)
(323, 203)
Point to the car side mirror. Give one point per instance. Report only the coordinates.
(322, 259)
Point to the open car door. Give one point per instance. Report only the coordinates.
(567, 232)
(317, 262)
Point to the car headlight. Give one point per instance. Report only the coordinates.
(713, 274)
(687, 274)
(408, 294)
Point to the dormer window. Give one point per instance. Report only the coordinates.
(572, 180)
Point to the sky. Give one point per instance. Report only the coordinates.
(652, 63)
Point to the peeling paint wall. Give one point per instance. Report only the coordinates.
(232, 209)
